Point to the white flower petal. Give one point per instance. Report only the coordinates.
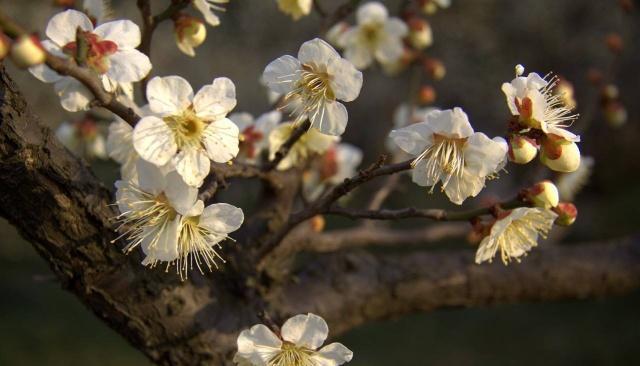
(221, 140)
(73, 95)
(450, 123)
(258, 345)
(207, 12)
(331, 119)
(193, 165)
(360, 55)
(124, 33)
(151, 178)
(242, 119)
(154, 140)
(281, 74)
(483, 155)
(128, 66)
(166, 247)
(169, 95)
(180, 194)
(420, 177)
(333, 354)
(459, 189)
(390, 49)
(308, 331)
(371, 13)
(396, 28)
(216, 100)
(413, 139)
(347, 80)
(120, 141)
(318, 52)
(61, 28)
(221, 218)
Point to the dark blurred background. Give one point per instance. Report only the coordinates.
(479, 41)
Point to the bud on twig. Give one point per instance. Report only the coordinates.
(543, 194)
(27, 51)
(522, 149)
(434, 68)
(190, 33)
(567, 213)
(427, 95)
(420, 34)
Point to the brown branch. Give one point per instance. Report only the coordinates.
(353, 288)
(413, 212)
(282, 152)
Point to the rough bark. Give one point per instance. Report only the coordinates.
(63, 210)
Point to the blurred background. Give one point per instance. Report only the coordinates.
(479, 42)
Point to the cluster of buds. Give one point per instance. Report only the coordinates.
(25, 51)
(545, 195)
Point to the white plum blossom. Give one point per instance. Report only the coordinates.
(298, 344)
(120, 148)
(295, 8)
(310, 143)
(186, 129)
(515, 233)
(161, 214)
(206, 7)
(533, 100)
(110, 53)
(254, 134)
(316, 80)
(447, 150)
(376, 36)
(83, 138)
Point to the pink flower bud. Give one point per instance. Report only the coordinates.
(559, 154)
(27, 51)
(567, 213)
(543, 194)
(190, 33)
(522, 149)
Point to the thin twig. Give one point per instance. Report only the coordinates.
(282, 152)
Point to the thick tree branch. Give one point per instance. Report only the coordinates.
(354, 288)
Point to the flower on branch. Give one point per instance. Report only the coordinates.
(108, 50)
(83, 138)
(310, 144)
(297, 344)
(186, 129)
(162, 215)
(338, 163)
(316, 80)
(254, 134)
(376, 36)
(515, 233)
(447, 150)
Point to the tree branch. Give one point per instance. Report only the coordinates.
(282, 152)
(354, 288)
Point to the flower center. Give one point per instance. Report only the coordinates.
(313, 88)
(194, 246)
(148, 215)
(90, 49)
(444, 157)
(187, 129)
(291, 355)
(370, 34)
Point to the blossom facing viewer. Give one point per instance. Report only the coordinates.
(515, 233)
(297, 344)
(316, 81)
(186, 129)
(447, 150)
(111, 53)
(375, 37)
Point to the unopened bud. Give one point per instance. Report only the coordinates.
(614, 42)
(317, 223)
(594, 76)
(610, 91)
(615, 113)
(427, 95)
(567, 213)
(559, 154)
(190, 33)
(522, 149)
(5, 45)
(431, 6)
(420, 34)
(435, 68)
(27, 51)
(544, 194)
(519, 70)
